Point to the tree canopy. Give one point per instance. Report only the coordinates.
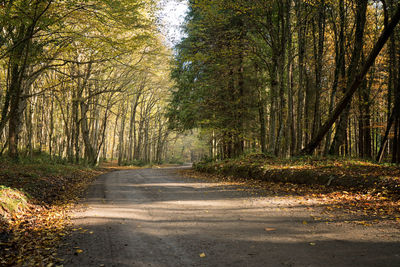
(289, 77)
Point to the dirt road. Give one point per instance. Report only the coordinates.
(156, 217)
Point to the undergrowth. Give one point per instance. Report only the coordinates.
(35, 195)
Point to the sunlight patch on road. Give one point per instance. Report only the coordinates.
(166, 185)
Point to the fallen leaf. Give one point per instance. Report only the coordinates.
(79, 251)
(202, 255)
(312, 244)
(268, 229)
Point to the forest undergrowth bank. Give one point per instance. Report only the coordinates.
(345, 184)
(35, 198)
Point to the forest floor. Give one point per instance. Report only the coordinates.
(35, 198)
(350, 185)
(342, 203)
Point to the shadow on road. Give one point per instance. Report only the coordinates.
(154, 217)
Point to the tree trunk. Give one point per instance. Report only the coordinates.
(273, 105)
(345, 101)
(318, 55)
(301, 30)
(340, 66)
(18, 64)
(341, 127)
(121, 135)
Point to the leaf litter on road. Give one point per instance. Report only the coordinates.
(370, 206)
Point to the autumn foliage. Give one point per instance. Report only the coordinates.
(36, 198)
(351, 185)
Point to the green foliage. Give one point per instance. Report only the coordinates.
(214, 89)
(177, 161)
(138, 163)
(11, 201)
(43, 158)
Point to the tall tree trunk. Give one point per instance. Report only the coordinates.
(345, 101)
(90, 153)
(340, 66)
(291, 120)
(301, 36)
(121, 144)
(281, 55)
(18, 64)
(318, 55)
(273, 104)
(263, 130)
(341, 127)
(115, 133)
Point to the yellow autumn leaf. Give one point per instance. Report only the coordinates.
(79, 251)
(304, 222)
(269, 229)
(202, 255)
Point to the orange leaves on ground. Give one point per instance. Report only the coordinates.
(375, 203)
(34, 236)
(31, 236)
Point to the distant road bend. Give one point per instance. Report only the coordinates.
(156, 217)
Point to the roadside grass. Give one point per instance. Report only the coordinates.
(350, 185)
(36, 195)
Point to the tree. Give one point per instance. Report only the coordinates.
(355, 84)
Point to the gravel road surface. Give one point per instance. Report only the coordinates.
(156, 217)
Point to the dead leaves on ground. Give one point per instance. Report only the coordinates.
(30, 237)
(374, 205)
(34, 237)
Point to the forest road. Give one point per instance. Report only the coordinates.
(157, 217)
